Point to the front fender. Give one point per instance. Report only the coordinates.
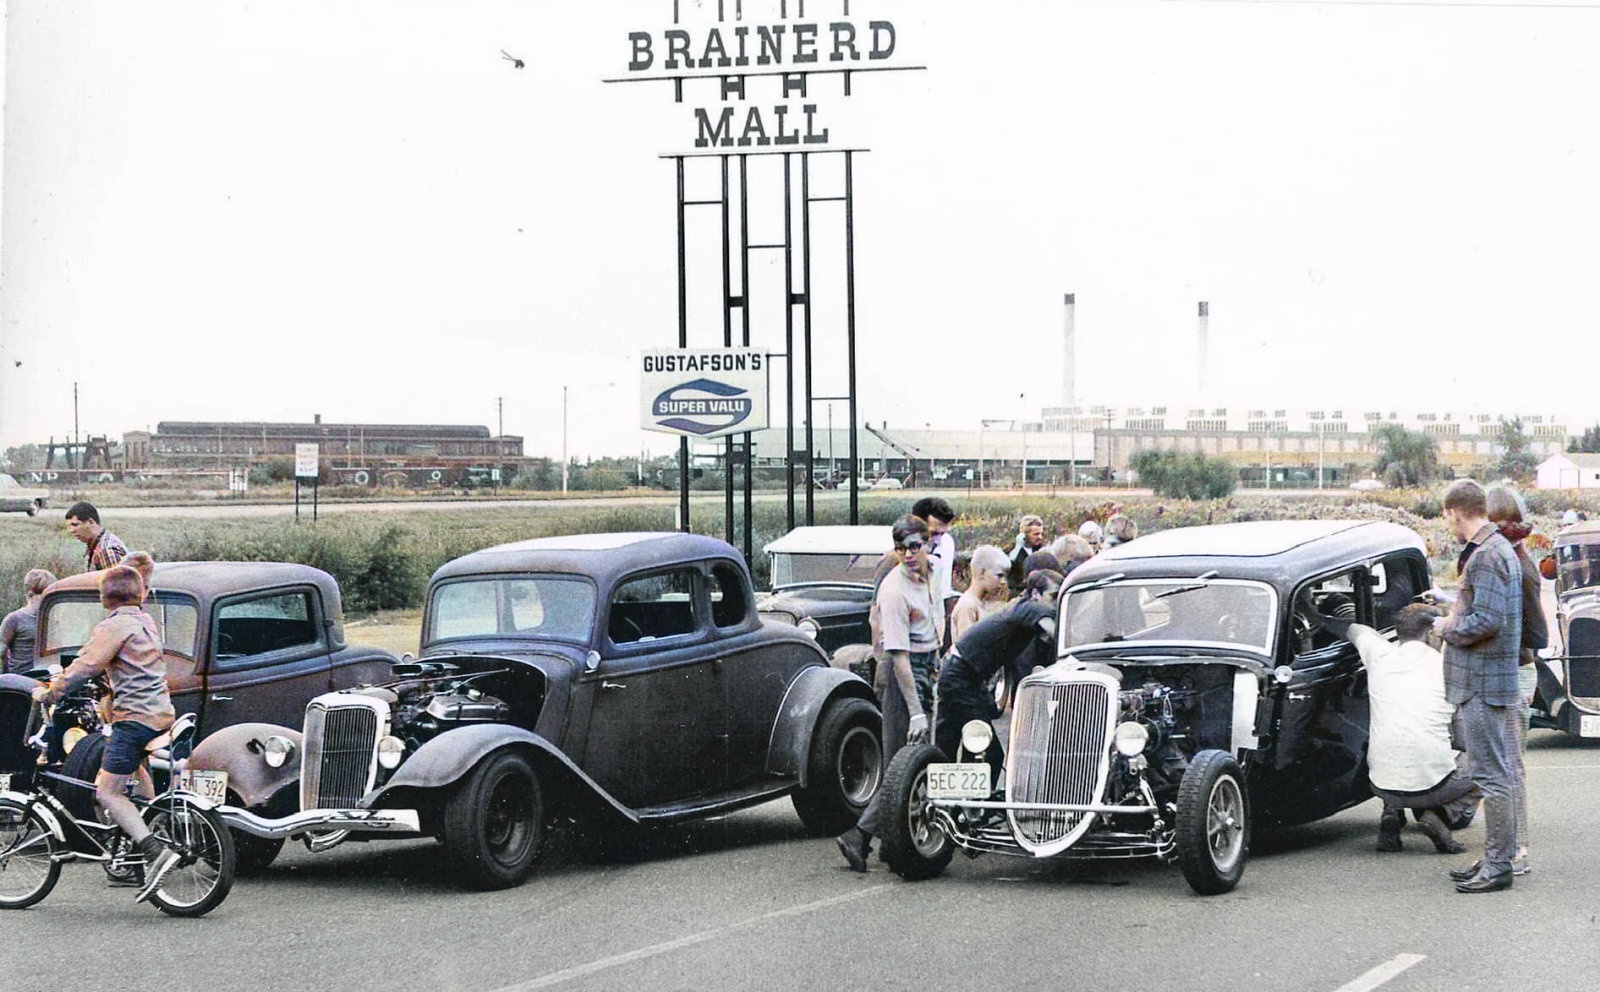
(45, 813)
(447, 758)
(809, 694)
(249, 776)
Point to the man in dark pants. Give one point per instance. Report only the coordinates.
(1482, 634)
(1013, 640)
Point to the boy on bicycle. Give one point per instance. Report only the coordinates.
(126, 646)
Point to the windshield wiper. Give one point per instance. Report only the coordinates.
(1097, 583)
(1201, 581)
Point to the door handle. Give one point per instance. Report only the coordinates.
(613, 685)
(1299, 695)
(221, 699)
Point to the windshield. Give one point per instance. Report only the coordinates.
(68, 622)
(788, 568)
(1579, 566)
(560, 607)
(1188, 611)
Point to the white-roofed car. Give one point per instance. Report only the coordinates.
(17, 498)
(822, 583)
(887, 482)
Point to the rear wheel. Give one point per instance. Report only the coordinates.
(1213, 829)
(845, 766)
(205, 874)
(913, 844)
(28, 868)
(494, 824)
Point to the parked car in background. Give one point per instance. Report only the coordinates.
(822, 583)
(887, 482)
(1197, 698)
(17, 498)
(244, 641)
(1575, 709)
(613, 679)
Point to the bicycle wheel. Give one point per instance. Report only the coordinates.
(28, 868)
(203, 877)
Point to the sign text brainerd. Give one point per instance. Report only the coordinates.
(730, 53)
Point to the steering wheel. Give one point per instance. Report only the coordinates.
(629, 627)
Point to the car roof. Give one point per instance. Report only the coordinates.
(1282, 552)
(213, 578)
(601, 556)
(842, 539)
(1582, 532)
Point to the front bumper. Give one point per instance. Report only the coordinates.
(991, 827)
(361, 821)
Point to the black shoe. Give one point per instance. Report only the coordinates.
(1484, 881)
(1438, 831)
(1389, 833)
(856, 847)
(1464, 874)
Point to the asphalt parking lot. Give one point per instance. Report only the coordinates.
(749, 900)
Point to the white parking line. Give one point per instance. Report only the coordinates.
(1382, 973)
(654, 950)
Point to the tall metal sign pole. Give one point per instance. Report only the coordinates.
(753, 95)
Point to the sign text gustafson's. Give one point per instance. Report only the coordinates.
(732, 52)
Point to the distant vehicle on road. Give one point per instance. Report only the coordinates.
(888, 482)
(17, 498)
(822, 583)
(1367, 485)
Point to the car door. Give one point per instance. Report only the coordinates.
(656, 733)
(1322, 708)
(267, 655)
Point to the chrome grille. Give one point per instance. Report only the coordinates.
(1060, 736)
(340, 759)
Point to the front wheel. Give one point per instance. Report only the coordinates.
(34, 508)
(494, 824)
(28, 867)
(1213, 829)
(913, 844)
(205, 872)
(844, 768)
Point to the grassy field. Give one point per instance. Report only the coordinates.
(383, 560)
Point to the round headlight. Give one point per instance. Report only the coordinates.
(390, 751)
(276, 751)
(1131, 738)
(809, 627)
(976, 736)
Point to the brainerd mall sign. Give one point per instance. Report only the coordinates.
(762, 79)
(731, 53)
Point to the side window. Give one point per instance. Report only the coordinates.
(267, 623)
(729, 607)
(1334, 596)
(652, 606)
(1394, 587)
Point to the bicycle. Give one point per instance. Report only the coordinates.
(38, 834)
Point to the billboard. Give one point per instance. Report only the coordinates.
(706, 393)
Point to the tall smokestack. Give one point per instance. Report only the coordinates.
(1069, 365)
(1205, 345)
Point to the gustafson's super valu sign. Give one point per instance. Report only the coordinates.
(725, 60)
(704, 393)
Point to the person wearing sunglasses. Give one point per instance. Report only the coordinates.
(910, 627)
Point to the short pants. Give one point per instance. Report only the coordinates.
(126, 749)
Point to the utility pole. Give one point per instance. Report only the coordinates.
(563, 438)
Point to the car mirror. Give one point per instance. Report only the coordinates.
(1282, 674)
(407, 658)
(591, 661)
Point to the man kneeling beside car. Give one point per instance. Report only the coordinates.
(1410, 762)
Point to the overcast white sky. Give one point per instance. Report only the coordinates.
(263, 211)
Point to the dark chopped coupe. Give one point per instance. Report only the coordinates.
(612, 678)
(1196, 697)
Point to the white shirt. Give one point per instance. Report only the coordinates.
(1409, 746)
(942, 556)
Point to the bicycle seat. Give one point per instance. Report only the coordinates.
(181, 727)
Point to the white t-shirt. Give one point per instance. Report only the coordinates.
(909, 617)
(942, 556)
(1408, 749)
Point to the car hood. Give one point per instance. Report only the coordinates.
(540, 654)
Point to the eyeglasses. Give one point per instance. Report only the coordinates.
(913, 546)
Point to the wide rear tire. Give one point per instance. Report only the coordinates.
(494, 824)
(28, 867)
(913, 845)
(845, 767)
(1213, 823)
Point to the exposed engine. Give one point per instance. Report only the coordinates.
(432, 697)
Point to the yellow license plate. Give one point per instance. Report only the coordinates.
(205, 784)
